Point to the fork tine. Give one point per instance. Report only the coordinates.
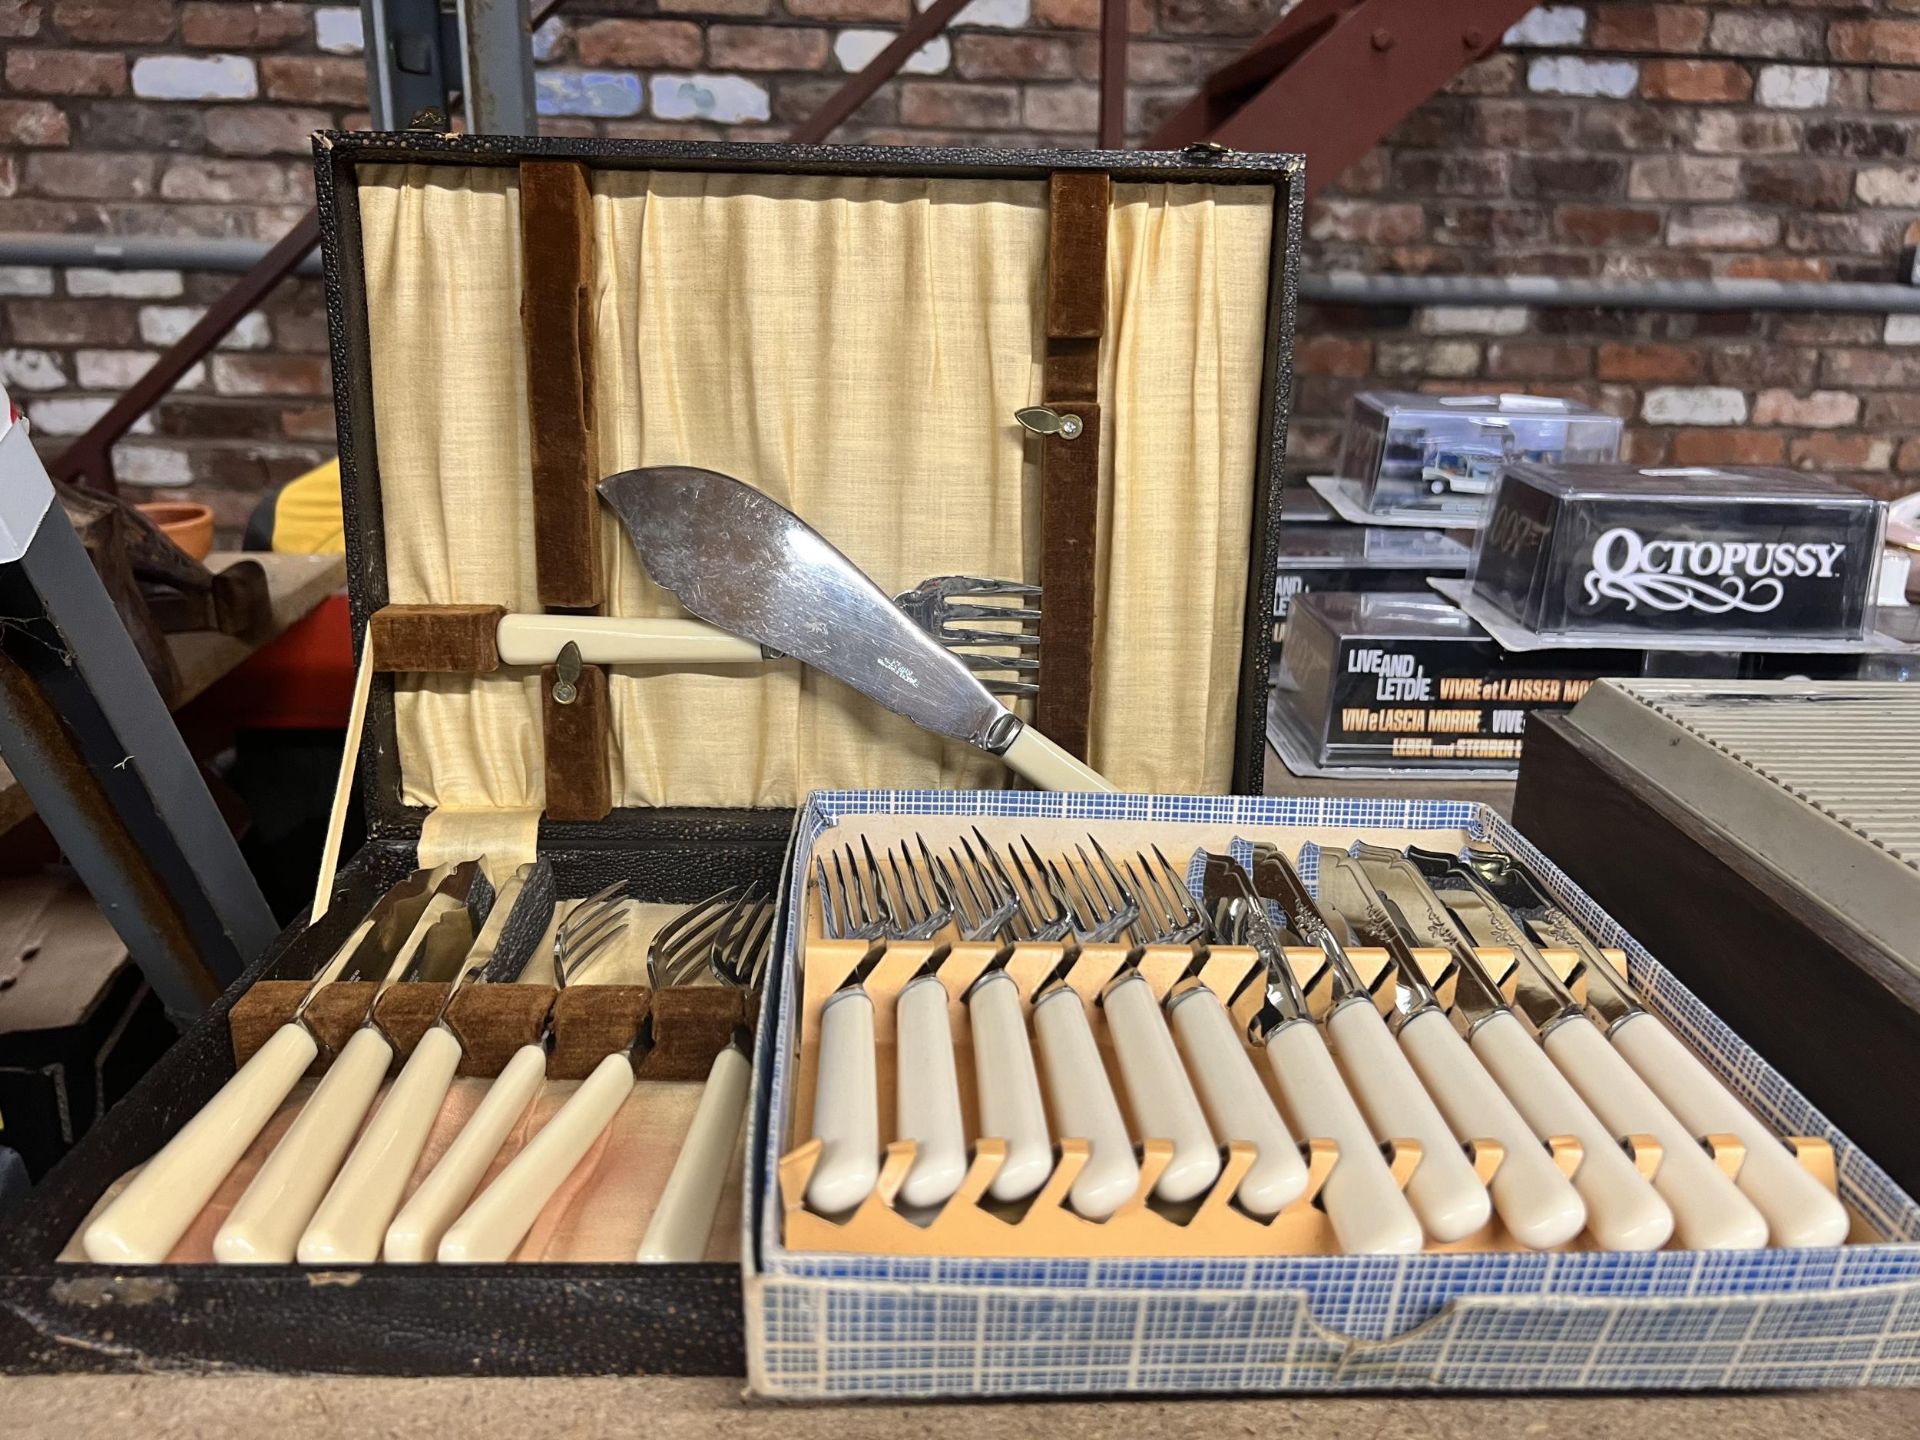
(1172, 915)
(1029, 893)
(573, 955)
(755, 949)
(589, 927)
(906, 884)
(965, 869)
(589, 907)
(959, 611)
(1062, 895)
(1127, 897)
(945, 892)
(827, 921)
(678, 946)
(953, 636)
(874, 907)
(980, 585)
(1189, 907)
(1024, 664)
(746, 924)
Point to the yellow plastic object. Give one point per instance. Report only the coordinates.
(306, 515)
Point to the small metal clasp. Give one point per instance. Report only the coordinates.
(566, 674)
(1044, 420)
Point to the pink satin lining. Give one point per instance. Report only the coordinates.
(598, 1214)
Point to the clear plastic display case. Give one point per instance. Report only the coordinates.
(1604, 553)
(1317, 558)
(1440, 454)
(1410, 681)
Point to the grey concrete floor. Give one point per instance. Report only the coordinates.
(165, 1407)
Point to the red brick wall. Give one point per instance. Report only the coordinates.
(1754, 139)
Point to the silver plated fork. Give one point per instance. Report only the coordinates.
(683, 1218)
(1164, 1104)
(951, 609)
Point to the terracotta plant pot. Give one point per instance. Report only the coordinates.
(188, 526)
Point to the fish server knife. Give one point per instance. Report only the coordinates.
(147, 1219)
(1709, 1212)
(1624, 1212)
(1800, 1211)
(736, 558)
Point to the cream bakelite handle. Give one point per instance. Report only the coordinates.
(352, 1220)
(415, 1234)
(1009, 1087)
(846, 1106)
(613, 640)
(1624, 1212)
(502, 1214)
(1368, 1213)
(1535, 1201)
(1044, 763)
(265, 1225)
(1237, 1102)
(1709, 1212)
(1081, 1099)
(1158, 1090)
(1799, 1210)
(926, 1095)
(683, 1217)
(1444, 1190)
(147, 1219)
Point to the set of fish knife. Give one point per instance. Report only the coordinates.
(334, 1189)
(1603, 1121)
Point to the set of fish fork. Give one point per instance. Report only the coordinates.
(725, 936)
(1595, 1118)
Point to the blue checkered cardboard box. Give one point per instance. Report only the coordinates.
(833, 1326)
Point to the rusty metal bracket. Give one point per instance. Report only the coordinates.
(1332, 77)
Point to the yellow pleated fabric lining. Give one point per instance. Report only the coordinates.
(855, 347)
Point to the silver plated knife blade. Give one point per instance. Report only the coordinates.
(440, 937)
(368, 953)
(1421, 918)
(1241, 919)
(739, 559)
(1607, 996)
(1275, 879)
(1536, 992)
(1346, 891)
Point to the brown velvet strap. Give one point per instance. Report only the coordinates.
(690, 1025)
(556, 247)
(1070, 469)
(578, 785)
(452, 639)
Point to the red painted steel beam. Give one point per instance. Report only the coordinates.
(1114, 17)
(1334, 76)
(860, 87)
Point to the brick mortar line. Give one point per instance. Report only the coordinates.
(1587, 53)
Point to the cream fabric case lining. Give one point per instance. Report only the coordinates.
(721, 301)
